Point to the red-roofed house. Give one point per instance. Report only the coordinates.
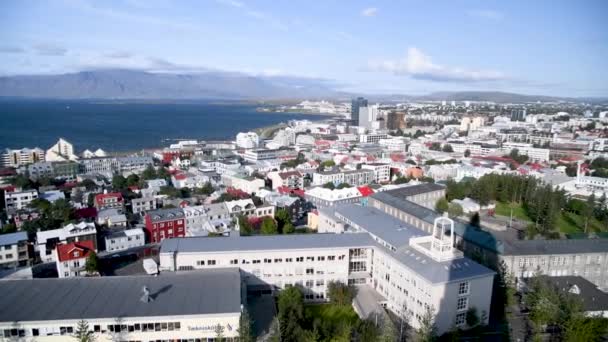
(290, 179)
(72, 257)
(109, 200)
(365, 191)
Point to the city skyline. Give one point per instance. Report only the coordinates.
(371, 47)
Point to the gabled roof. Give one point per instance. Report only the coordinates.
(65, 252)
(165, 214)
(287, 174)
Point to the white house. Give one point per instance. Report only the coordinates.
(125, 239)
(141, 205)
(17, 200)
(72, 257)
(382, 172)
(48, 239)
(290, 179)
(249, 185)
(247, 140)
(61, 151)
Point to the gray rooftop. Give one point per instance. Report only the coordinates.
(592, 298)
(397, 233)
(12, 238)
(192, 293)
(264, 242)
(165, 214)
(539, 247)
(467, 232)
(413, 190)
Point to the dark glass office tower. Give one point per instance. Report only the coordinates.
(354, 113)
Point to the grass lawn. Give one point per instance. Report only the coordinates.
(573, 223)
(330, 313)
(504, 209)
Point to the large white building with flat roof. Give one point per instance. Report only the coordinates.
(405, 268)
(170, 307)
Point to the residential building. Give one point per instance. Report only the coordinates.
(290, 179)
(243, 207)
(65, 170)
(72, 257)
(124, 239)
(111, 217)
(247, 140)
(324, 177)
(14, 251)
(395, 120)
(359, 177)
(382, 172)
(109, 200)
(322, 197)
(47, 240)
(17, 158)
(518, 114)
(594, 302)
(61, 151)
(197, 216)
(372, 138)
(249, 185)
(296, 207)
(18, 200)
(165, 223)
(141, 205)
(189, 180)
(168, 307)
(533, 153)
(388, 260)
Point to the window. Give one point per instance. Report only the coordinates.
(234, 261)
(200, 263)
(210, 262)
(463, 288)
(321, 258)
(460, 319)
(278, 260)
(267, 261)
(309, 283)
(299, 259)
(310, 271)
(288, 260)
(310, 258)
(462, 304)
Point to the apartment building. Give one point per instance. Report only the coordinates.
(18, 200)
(141, 205)
(382, 255)
(165, 223)
(14, 250)
(290, 179)
(47, 240)
(20, 157)
(109, 200)
(382, 172)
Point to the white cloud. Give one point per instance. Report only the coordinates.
(485, 14)
(369, 12)
(254, 13)
(418, 65)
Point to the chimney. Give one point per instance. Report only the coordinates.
(145, 297)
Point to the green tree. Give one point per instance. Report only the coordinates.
(92, 263)
(119, 182)
(245, 327)
(401, 180)
(269, 226)
(288, 228)
(367, 331)
(329, 185)
(163, 173)
(475, 220)
(83, 333)
(291, 313)
(132, 180)
(447, 148)
(8, 228)
(245, 227)
(219, 333)
(343, 185)
(340, 293)
(328, 163)
(149, 173)
(472, 318)
(388, 331)
(455, 210)
(207, 189)
(588, 210)
(467, 153)
(442, 205)
(427, 332)
(283, 217)
(435, 146)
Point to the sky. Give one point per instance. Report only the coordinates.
(398, 47)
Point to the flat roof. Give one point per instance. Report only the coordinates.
(12, 238)
(562, 246)
(407, 191)
(264, 243)
(175, 294)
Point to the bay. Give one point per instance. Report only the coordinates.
(125, 126)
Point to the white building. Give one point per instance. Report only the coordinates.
(290, 179)
(394, 144)
(402, 265)
(322, 197)
(249, 185)
(125, 239)
(189, 180)
(533, 153)
(382, 172)
(14, 250)
(247, 140)
(48, 239)
(170, 307)
(141, 205)
(17, 200)
(372, 138)
(71, 258)
(21, 157)
(61, 151)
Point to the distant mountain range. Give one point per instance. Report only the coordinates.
(121, 84)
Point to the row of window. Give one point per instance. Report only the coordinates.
(276, 260)
(561, 260)
(114, 328)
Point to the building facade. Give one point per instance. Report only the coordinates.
(72, 257)
(125, 239)
(46, 241)
(165, 223)
(14, 251)
(18, 200)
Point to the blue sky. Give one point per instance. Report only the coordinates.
(408, 47)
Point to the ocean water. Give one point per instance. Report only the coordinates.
(127, 126)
